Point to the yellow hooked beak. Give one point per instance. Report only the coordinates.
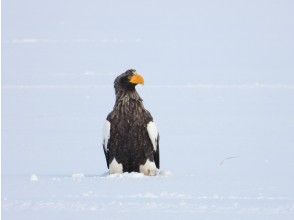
(137, 79)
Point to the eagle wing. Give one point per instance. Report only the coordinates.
(106, 136)
(154, 137)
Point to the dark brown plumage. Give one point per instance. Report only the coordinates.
(132, 140)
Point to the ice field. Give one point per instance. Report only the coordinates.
(56, 136)
(219, 83)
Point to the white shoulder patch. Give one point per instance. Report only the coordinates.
(106, 134)
(153, 134)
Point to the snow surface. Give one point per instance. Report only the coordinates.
(34, 178)
(230, 157)
(219, 83)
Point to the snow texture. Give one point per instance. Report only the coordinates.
(34, 178)
(77, 176)
(219, 83)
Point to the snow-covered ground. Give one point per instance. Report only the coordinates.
(218, 80)
(227, 153)
(132, 195)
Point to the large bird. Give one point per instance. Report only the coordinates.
(131, 139)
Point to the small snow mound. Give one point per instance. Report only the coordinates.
(147, 195)
(105, 174)
(162, 173)
(77, 176)
(55, 179)
(34, 178)
(126, 175)
(165, 173)
(134, 175)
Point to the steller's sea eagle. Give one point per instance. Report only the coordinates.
(131, 139)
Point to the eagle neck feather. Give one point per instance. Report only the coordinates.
(124, 97)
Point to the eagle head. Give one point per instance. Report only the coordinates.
(128, 80)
